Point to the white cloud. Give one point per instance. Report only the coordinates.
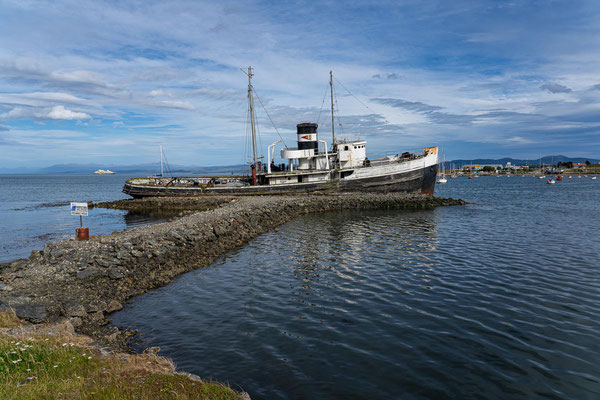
(53, 113)
(38, 99)
(182, 105)
(60, 112)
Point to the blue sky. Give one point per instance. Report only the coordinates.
(109, 82)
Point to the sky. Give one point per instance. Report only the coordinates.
(110, 81)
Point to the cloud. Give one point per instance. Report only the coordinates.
(475, 67)
(555, 88)
(37, 99)
(519, 140)
(53, 113)
(4, 128)
(181, 105)
(407, 105)
(430, 111)
(60, 112)
(156, 93)
(84, 81)
(392, 75)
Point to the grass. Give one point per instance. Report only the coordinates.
(37, 365)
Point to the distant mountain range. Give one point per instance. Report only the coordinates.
(153, 168)
(547, 160)
(142, 169)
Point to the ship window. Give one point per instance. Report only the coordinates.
(345, 147)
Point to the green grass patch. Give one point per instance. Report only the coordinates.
(52, 367)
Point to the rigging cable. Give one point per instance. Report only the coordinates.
(337, 111)
(245, 155)
(259, 141)
(270, 119)
(349, 92)
(322, 103)
(168, 168)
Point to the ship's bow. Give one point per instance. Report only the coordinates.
(430, 171)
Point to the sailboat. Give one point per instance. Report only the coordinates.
(163, 161)
(312, 166)
(442, 178)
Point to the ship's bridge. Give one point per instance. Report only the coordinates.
(351, 154)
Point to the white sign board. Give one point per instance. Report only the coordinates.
(79, 209)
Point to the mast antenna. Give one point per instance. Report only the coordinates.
(332, 120)
(251, 99)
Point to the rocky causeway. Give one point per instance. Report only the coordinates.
(84, 281)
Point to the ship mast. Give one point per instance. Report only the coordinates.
(332, 121)
(251, 98)
(161, 162)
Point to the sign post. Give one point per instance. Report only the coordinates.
(81, 209)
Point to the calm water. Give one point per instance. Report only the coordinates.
(496, 300)
(34, 210)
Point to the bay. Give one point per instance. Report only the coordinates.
(34, 210)
(493, 300)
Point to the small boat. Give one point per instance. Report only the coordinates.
(550, 181)
(103, 172)
(542, 177)
(559, 178)
(593, 178)
(442, 177)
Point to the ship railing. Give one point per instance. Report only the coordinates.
(187, 181)
(393, 157)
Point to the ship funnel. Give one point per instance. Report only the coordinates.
(307, 136)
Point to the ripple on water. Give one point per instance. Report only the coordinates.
(488, 301)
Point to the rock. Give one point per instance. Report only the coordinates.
(103, 262)
(96, 305)
(81, 266)
(33, 312)
(88, 273)
(113, 305)
(112, 337)
(76, 322)
(5, 307)
(136, 253)
(116, 273)
(74, 309)
(152, 350)
(58, 252)
(97, 316)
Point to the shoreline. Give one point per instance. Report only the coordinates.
(81, 283)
